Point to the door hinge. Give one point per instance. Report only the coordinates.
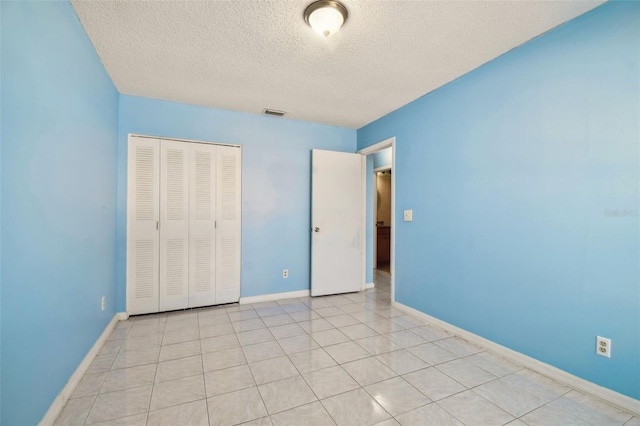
(157, 225)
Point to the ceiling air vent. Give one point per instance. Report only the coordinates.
(274, 112)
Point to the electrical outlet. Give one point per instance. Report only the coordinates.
(104, 302)
(603, 346)
(285, 273)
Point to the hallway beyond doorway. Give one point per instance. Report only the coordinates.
(382, 278)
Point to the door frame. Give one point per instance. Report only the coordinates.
(372, 149)
(375, 214)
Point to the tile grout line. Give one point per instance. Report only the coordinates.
(255, 382)
(204, 379)
(104, 380)
(153, 388)
(371, 303)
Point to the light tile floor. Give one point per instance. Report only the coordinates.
(348, 360)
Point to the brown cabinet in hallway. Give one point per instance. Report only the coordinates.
(383, 253)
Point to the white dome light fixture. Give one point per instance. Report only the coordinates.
(325, 16)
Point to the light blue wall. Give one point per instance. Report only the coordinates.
(276, 173)
(383, 158)
(59, 133)
(510, 171)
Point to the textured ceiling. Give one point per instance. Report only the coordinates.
(251, 55)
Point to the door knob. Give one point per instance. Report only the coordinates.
(316, 229)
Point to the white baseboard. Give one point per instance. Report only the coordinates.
(58, 404)
(369, 285)
(622, 401)
(122, 316)
(274, 296)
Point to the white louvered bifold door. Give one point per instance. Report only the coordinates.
(142, 218)
(202, 225)
(174, 225)
(228, 216)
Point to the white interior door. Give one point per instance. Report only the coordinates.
(202, 225)
(174, 225)
(142, 221)
(336, 221)
(228, 215)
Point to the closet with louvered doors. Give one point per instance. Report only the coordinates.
(183, 225)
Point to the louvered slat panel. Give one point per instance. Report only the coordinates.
(174, 225)
(202, 231)
(175, 188)
(175, 267)
(202, 262)
(145, 268)
(143, 181)
(146, 183)
(227, 280)
(203, 185)
(228, 232)
(228, 187)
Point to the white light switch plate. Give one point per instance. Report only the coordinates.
(408, 215)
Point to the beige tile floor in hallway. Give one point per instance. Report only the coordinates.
(348, 360)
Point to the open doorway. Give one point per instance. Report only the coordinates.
(379, 214)
(382, 229)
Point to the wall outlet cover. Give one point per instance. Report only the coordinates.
(603, 346)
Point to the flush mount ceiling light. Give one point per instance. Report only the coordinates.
(325, 16)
